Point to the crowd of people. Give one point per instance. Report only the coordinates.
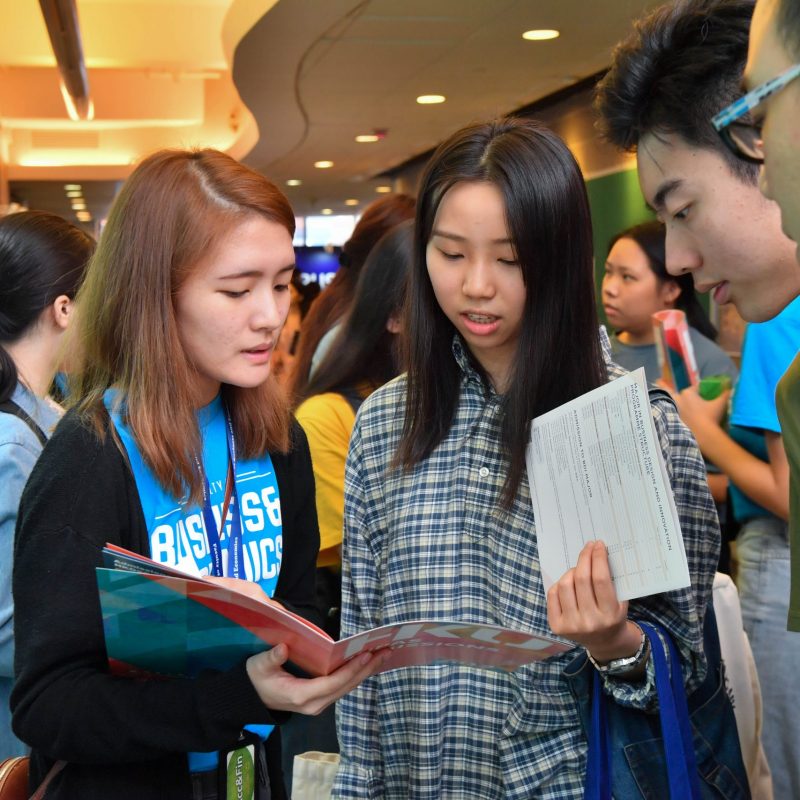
(378, 434)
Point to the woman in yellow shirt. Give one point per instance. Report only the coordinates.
(364, 356)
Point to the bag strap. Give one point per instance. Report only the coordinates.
(676, 730)
(598, 767)
(10, 407)
(54, 770)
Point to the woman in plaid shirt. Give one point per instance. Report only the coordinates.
(502, 327)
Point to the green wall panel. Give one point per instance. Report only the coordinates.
(616, 203)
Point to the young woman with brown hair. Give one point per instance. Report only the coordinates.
(177, 318)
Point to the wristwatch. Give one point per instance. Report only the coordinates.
(621, 666)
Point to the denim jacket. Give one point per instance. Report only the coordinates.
(19, 449)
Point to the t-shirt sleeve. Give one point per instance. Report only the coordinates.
(769, 348)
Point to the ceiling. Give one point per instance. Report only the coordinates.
(280, 84)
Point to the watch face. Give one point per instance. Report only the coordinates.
(619, 666)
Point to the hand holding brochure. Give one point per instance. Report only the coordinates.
(596, 472)
(160, 620)
(674, 349)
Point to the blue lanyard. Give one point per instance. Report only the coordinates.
(235, 547)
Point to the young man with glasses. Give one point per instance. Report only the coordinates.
(682, 64)
(764, 127)
(766, 121)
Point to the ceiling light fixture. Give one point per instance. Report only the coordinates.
(78, 205)
(294, 182)
(383, 189)
(367, 137)
(323, 164)
(74, 193)
(72, 187)
(430, 99)
(351, 201)
(541, 35)
(327, 211)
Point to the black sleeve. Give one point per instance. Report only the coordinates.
(296, 582)
(65, 702)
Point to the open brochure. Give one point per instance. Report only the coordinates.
(596, 472)
(160, 620)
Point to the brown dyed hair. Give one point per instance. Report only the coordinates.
(332, 304)
(170, 213)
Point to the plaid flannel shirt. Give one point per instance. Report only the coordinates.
(434, 542)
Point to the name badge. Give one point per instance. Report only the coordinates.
(241, 774)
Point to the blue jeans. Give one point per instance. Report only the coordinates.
(763, 551)
(9, 744)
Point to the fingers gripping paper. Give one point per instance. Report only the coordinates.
(596, 472)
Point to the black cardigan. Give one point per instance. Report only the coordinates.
(123, 738)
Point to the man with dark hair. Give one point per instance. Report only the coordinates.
(682, 64)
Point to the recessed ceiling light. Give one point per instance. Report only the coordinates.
(351, 201)
(78, 205)
(327, 211)
(368, 137)
(294, 182)
(541, 35)
(74, 193)
(383, 189)
(70, 187)
(430, 99)
(84, 216)
(323, 164)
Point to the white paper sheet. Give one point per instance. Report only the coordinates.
(596, 472)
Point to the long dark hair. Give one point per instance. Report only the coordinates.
(364, 351)
(558, 355)
(42, 257)
(651, 238)
(332, 304)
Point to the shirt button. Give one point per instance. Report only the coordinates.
(483, 472)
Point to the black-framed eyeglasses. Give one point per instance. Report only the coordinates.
(744, 138)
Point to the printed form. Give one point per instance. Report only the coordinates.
(596, 472)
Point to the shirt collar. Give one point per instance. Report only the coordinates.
(462, 358)
(44, 411)
(471, 374)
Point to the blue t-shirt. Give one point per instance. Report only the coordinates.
(769, 348)
(177, 531)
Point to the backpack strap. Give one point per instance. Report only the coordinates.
(10, 407)
(352, 397)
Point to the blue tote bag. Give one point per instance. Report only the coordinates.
(687, 750)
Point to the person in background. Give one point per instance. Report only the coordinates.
(681, 65)
(42, 260)
(501, 326)
(636, 284)
(177, 317)
(364, 356)
(285, 353)
(333, 302)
